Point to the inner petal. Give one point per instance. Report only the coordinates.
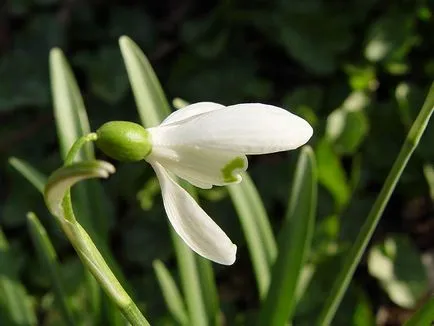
(202, 167)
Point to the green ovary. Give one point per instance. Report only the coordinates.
(237, 163)
(124, 141)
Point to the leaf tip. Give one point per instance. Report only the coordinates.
(124, 41)
(31, 216)
(12, 160)
(56, 53)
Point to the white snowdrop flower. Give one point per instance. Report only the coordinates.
(205, 144)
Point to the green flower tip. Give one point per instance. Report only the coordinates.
(237, 164)
(124, 141)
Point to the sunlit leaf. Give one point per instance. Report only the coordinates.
(397, 265)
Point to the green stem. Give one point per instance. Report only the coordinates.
(355, 253)
(75, 148)
(90, 255)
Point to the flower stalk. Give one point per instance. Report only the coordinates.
(58, 198)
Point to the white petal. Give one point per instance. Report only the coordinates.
(200, 166)
(190, 111)
(243, 128)
(192, 224)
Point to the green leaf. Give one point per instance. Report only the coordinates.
(13, 294)
(48, 257)
(331, 173)
(69, 110)
(209, 290)
(172, 296)
(37, 179)
(361, 77)
(397, 265)
(347, 126)
(294, 243)
(151, 102)
(190, 279)
(257, 230)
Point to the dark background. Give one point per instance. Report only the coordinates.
(365, 63)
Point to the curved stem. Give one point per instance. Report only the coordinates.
(89, 253)
(77, 146)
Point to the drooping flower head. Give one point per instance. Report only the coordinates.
(205, 144)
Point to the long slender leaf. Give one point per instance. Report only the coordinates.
(48, 256)
(261, 218)
(36, 178)
(72, 123)
(355, 253)
(69, 110)
(153, 107)
(294, 243)
(151, 102)
(209, 290)
(13, 295)
(248, 206)
(172, 296)
(190, 281)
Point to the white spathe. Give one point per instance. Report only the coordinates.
(206, 144)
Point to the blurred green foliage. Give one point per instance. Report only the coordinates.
(357, 70)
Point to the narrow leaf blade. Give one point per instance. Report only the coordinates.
(13, 295)
(248, 217)
(48, 257)
(36, 178)
(171, 293)
(69, 110)
(151, 102)
(294, 243)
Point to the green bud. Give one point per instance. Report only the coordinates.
(124, 141)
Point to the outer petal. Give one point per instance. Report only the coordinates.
(192, 224)
(243, 128)
(200, 166)
(190, 111)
